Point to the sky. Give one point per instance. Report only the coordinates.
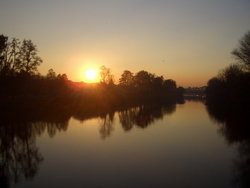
(185, 40)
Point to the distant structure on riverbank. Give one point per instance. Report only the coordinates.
(194, 92)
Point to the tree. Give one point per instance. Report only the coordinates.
(63, 77)
(105, 75)
(127, 78)
(51, 74)
(29, 60)
(3, 46)
(143, 79)
(213, 84)
(16, 58)
(158, 82)
(170, 84)
(242, 53)
(231, 73)
(9, 55)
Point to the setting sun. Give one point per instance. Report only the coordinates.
(91, 76)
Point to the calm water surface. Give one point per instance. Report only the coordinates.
(171, 146)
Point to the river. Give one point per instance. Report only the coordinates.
(178, 145)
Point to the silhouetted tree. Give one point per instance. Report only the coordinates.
(106, 76)
(157, 82)
(143, 79)
(9, 56)
(170, 84)
(242, 52)
(3, 43)
(29, 60)
(16, 57)
(214, 90)
(64, 77)
(231, 73)
(3, 51)
(230, 86)
(14, 60)
(127, 78)
(51, 74)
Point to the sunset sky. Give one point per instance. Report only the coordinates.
(186, 40)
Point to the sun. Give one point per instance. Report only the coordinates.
(91, 75)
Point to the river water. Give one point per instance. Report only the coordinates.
(149, 146)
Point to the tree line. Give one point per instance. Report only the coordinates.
(20, 81)
(232, 85)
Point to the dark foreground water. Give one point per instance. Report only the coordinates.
(169, 146)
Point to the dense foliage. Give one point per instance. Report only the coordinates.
(232, 85)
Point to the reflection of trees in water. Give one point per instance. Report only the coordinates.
(128, 118)
(106, 125)
(20, 125)
(141, 116)
(242, 165)
(234, 126)
(19, 156)
(144, 115)
(51, 127)
(18, 152)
